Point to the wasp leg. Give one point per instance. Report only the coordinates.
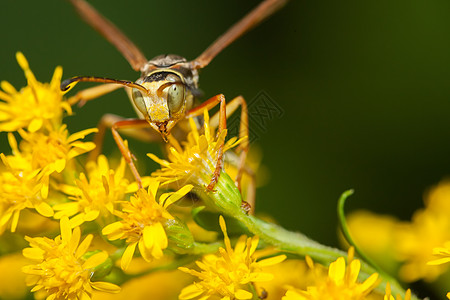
(141, 133)
(210, 103)
(91, 93)
(243, 132)
(128, 124)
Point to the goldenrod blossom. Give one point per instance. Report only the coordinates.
(388, 295)
(291, 272)
(437, 198)
(341, 282)
(443, 254)
(51, 152)
(429, 228)
(375, 235)
(34, 105)
(25, 183)
(410, 243)
(20, 188)
(195, 162)
(415, 243)
(98, 195)
(61, 271)
(142, 223)
(229, 273)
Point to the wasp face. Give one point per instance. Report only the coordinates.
(165, 102)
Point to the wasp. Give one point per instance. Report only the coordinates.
(165, 93)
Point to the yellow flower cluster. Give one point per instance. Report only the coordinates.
(63, 270)
(229, 273)
(95, 195)
(90, 228)
(142, 223)
(46, 148)
(196, 160)
(339, 283)
(36, 106)
(389, 295)
(407, 247)
(41, 176)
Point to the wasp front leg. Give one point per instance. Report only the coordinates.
(197, 111)
(140, 132)
(125, 124)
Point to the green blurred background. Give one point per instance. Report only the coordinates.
(364, 86)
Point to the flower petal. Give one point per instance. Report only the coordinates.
(66, 231)
(82, 248)
(189, 292)
(243, 294)
(95, 260)
(128, 256)
(177, 195)
(44, 209)
(106, 287)
(271, 261)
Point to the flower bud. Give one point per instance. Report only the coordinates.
(179, 236)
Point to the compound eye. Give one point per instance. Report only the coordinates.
(175, 98)
(138, 100)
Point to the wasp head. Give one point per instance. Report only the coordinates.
(169, 82)
(164, 103)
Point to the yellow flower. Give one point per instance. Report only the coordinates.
(142, 223)
(415, 242)
(51, 152)
(388, 295)
(437, 198)
(61, 271)
(97, 196)
(196, 161)
(290, 272)
(443, 253)
(341, 282)
(33, 106)
(25, 182)
(410, 243)
(230, 273)
(159, 285)
(375, 235)
(19, 189)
